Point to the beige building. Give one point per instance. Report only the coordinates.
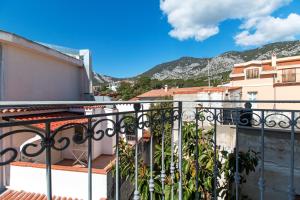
(275, 79)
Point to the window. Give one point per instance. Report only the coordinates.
(288, 75)
(252, 96)
(79, 134)
(252, 73)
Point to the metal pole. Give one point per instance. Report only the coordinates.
(48, 161)
(291, 188)
(237, 176)
(136, 190)
(180, 150)
(163, 172)
(261, 182)
(117, 160)
(151, 181)
(197, 154)
(2, 171)
(215, 155)
(90, 159)
(172, 167)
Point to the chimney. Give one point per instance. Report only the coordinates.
(274, 58)
(166, 88)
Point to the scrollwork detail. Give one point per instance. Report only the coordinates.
(25, 149)
(108, 131)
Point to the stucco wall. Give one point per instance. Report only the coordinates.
(31, 76)
(288, 93)
(64, 183)
(277, 159)
(263, 87)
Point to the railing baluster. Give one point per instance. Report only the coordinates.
(48, 160)
(163, 172)
(151, 181)
(2, 171)
(90, 159)
(237, 176)
(172, 167)
(117, 194)
(197, 154)
(180, 150)
(136, 190)
(291, 184)
(215, 154)
(261, 182)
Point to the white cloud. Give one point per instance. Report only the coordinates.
(200, 19)
(270, 29)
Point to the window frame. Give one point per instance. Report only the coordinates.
(286, 77)
(252, 69)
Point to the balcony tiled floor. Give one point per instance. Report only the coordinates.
(101, 162)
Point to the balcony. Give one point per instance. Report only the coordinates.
(151, 150)
(288, 77)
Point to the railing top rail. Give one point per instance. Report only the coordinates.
(55, 119)
(244, 101)
(73, 103)
(4, 104)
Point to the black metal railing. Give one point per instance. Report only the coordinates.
(168, 121)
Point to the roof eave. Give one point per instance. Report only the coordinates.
(17, 40)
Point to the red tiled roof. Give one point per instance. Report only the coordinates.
(191, 90)
(54, 125)
(22, 195)
(134, 99)
(45, 108)
(170, 92)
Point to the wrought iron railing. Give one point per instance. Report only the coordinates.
(174, 113)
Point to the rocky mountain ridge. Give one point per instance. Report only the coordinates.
(190, 67)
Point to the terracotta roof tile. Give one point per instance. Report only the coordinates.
(191, 90)
(45, 108)
(54, 125)
(22, 195)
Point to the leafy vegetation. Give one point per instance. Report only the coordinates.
(128, 90)
(225, 164)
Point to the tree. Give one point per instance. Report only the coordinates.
(125, 91)
(225, 163)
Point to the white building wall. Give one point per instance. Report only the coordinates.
(30, 76)
(64, 183)
(108, 144)
(130, 108)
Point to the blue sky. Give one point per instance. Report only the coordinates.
(129, 37)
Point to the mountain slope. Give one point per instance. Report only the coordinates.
(190, 67)
(99, 79)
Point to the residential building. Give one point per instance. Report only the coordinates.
(274, 79)
(113, 86)
(31, 71)
(191, 94)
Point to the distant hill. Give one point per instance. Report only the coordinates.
(190, 67)
(99, 79)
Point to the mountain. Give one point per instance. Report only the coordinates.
(190, 67)
(99, 79)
